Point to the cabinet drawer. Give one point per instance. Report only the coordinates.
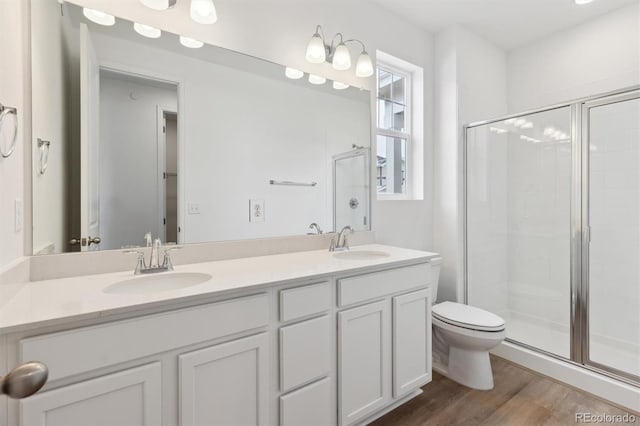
(309, 406)
(378, 284)
(90, 348)
(304, 301)
(305, 352)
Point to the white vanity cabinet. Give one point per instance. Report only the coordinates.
(384, 352)
(340, 350)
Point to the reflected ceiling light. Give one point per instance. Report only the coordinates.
(527, 125)
(98, 17)
(497, 130)
(580, 2)
(316, 79)
(159, 4)
(191, 43)
(337, 53)
(146, 30)
(338, 85)
(528, 139)
(203, 11)
(293, 73)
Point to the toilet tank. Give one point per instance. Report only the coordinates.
(435, 263)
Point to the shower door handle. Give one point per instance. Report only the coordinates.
(586, 234)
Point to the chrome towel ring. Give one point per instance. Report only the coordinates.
(5, 112)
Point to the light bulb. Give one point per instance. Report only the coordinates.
(364, 67)
(341, 58)
(156, 4)
(293, 73)
(146, 30)
(339, 85)
(203, 11)
(316, 79)
(315, 50)
(99, 17)
(191, 43)
(581, 2)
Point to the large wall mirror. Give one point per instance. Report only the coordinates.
(193, 144)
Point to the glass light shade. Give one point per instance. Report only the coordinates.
(146, 30)
(156, 4)
(341, 58)
(191, 43)
(316, 79)
(364, 67)
(338, 85)
(315, 50)
(99, 17)
(203, 11)
(293, 73)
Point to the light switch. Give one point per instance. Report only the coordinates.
(256, 210)
(18, 215)
(194, 208)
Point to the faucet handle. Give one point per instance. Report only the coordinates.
(332, 246)
(141, 265)
(166, 261)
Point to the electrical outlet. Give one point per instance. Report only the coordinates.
(194, 208)
(18, 215)
(256, 210)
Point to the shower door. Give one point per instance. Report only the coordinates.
(611, 247)
(518, 225)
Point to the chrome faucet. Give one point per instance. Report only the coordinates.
(317, 229)
(342, 244)
(154, 265)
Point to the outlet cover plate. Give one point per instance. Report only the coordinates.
(256, 211)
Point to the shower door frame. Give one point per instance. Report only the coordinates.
(579, 230)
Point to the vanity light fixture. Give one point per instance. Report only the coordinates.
(159, 4)
(319, 51)
(338, 85)
(191, 43)
(203, 11)
(146, 30)
(316, 79)
(293, 73)
(99, 17)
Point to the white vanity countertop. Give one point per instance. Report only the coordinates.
(39, 303)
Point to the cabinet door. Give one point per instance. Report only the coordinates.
(309, 406)
(364, 360)
(411, 341)
(130, 397)
(226, 384)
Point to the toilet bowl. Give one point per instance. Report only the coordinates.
(462, 338)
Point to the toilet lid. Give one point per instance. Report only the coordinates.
(467, 316)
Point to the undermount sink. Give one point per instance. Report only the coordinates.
(163, 281)
(360, 255)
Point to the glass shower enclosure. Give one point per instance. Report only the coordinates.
(552, 229)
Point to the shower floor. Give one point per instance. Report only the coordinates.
(555, 340)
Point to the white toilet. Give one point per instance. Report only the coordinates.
(462, 338)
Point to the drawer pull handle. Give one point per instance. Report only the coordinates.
(24, 380)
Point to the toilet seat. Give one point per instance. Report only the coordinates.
(469, 317)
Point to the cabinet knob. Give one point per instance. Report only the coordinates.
(24, 380)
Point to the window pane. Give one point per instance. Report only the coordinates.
(398, 90)
(385, 114)
(391, 165)
(384, 84)
(398, 118)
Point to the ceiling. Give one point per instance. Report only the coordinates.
(506, 23)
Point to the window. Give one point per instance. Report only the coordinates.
(400, 132)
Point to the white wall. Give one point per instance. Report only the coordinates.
(129, 171)
(470, 85)
(596, 57)
(14, 171)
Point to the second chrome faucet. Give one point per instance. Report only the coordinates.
(154, 264)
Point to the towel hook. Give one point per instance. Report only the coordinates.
(5, 111)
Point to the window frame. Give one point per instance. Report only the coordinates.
(407, 135)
